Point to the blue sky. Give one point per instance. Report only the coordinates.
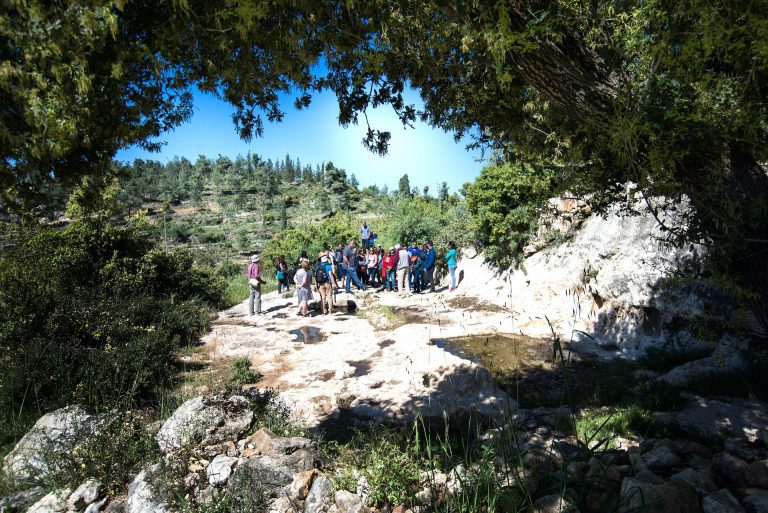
(313, 135)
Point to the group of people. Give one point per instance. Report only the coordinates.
(401, 269)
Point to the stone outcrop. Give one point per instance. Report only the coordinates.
(612, 276)
(205, 420)
(53, 435)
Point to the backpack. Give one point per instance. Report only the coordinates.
(320, 275)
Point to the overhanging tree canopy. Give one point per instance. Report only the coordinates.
(670, 95)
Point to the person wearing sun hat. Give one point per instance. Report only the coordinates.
(254, 285)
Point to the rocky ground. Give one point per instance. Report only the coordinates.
(374, 356)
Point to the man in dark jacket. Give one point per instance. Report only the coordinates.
(429, 266)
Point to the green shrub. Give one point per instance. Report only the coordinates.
(504, 203)
(240, 372)
(90, 313)
(311, 238)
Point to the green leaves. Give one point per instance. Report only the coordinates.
(504, 203)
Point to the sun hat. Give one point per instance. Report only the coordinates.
(255, 258)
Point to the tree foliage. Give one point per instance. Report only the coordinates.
(666, 94)
(505, 202)
(92, 314)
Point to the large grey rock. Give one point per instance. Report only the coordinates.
(207, 421)
(757, 502)
(220, 469)
(53, 435)
(701, 480)
(674, 496)
(84, 495)
(146, 493)
(272, 472)
(729, 468)
(721, 501)
(319, 498)
(54, 502)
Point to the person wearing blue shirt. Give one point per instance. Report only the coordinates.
(429, 266)
(450, 259)
(412, 251)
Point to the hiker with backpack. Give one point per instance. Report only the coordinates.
(323, 282)
(281, 273)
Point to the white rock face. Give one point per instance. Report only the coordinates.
(54, 433)
(205, 420)
(614, 279)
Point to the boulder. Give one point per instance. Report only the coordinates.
(86, 494)
(265, 441)
(319, 497)
(674, 496)
(272, 472)
(721, 502)
(729, 468)
(54, 434)
(700, 480)
(220, 469)
(146, 494)
(54, 502)
(207, 421)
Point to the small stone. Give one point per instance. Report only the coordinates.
(554, 503)
(220, 469)
(319, 495)
(661, 457)
(301, 484)
(757, 502)
(756, 474)
(730, 468)
(721, 502)
(85, 494)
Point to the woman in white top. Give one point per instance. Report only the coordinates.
(372, 264)
(303, 288)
